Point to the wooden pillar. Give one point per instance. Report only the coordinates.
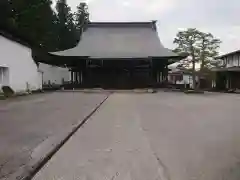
(71, 76)
(81, 77)
(76, 77)
(161, 76)
(165, 73)
(227, 81)
(230, 80)
(152, 78)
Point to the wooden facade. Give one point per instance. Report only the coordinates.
(119, 74)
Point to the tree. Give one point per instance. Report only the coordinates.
(208, 46)
(5, 12)
(187, 42)
(81, 17)
(201, 47)
(67, 28)
(34, 21)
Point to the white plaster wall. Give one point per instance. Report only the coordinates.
(54, 74)
(232, 61)
(187, 79)
(235, 60)
(23, 71)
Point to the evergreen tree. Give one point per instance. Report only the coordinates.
(202, 47)
(5, 12)
(82, 17)
(67, 29)
(34, 20)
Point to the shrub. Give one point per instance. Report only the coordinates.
(7, 91)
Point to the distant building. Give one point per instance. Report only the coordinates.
(19, 71)
(53, 75)
(181, 78)
(228, 74)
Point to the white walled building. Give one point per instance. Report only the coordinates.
(181, 77)
(53, 74)
(19, 71)
(17, 68)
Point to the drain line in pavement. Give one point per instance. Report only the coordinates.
(44, 161)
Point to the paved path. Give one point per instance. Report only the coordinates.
(164, 136)
(31, 126)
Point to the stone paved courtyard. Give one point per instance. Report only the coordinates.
(31, 126)
(164, 136)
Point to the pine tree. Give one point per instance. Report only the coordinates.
(202, 47)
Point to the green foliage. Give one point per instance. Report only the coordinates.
(5, 12)
(202, 47)
(8, 91)
(67, 29)
(81, 17)
(36, 22)
(208, 47)
(187, 42)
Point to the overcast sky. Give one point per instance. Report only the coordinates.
(220, 17)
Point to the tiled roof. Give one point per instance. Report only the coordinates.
(119, 40)
(228, 54)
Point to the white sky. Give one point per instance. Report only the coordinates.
(220, 17)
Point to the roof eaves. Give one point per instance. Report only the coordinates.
(228, 54)
(122, 24)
